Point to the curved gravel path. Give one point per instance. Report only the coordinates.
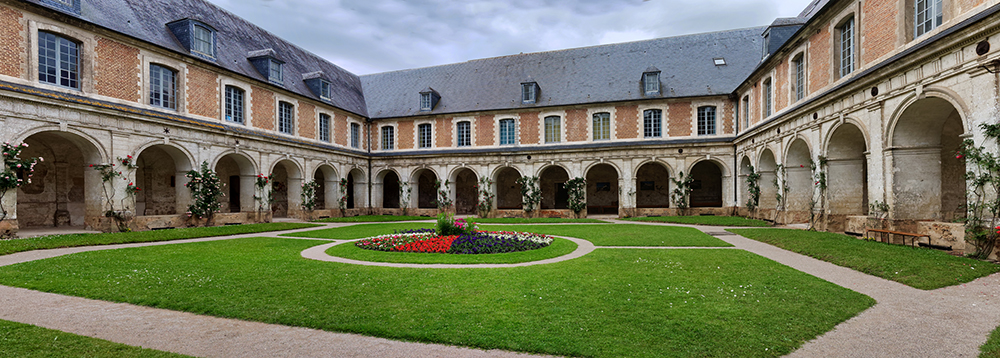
(906, 322)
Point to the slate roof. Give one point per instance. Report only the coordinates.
(235, 37)
(606, 73)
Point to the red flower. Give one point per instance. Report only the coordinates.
(801, 166)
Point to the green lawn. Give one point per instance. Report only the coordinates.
(73, 240)
(622, 234)
(610, 303)
(992, 347)
(705, 220)
(534, 221)
(359, 231)
(23, 340)
(373, 218)
(921, 268)
(558, 248)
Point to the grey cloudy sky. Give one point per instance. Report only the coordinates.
(370, 36)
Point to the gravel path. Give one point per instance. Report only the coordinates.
(906, 322)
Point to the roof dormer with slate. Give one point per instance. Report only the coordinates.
(429, 99)
(318, 85)
(267, 63)
(196, 36)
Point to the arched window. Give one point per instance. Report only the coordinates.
(58, 60)
(162, 87)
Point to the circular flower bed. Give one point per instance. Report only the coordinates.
(474, 242)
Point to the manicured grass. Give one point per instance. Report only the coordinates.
(74, 240)
(705, 220)
(610, 303)
(23, 340)
(921, 268)
(359, 231)
(558, 248)
(534, 221)
(992, 347)
(373, 218)
(622, 234)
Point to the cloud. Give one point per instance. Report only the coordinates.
(367, 36)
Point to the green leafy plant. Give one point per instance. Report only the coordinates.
(681, 195)
(122, 210)
(308, 195)
(342, 202)
(16, 171)
(753, 189)
(443, 199)
(577, 190)
(484, 196)
(531, 195)
(206, 189)
(983, 180)
(263, 195)
(877, 213)
(781, 187)
(447, 225)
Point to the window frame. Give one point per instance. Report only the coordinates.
(324, 124)
(746, 111)
(798, 77)
(195, 40)
(652, 123)
(651, 83)
(707, 124)
(387, 136)
(325, 90)
(529, 92)
(425, 139)
(275, 72)
(463, 137)
(355, 135)
(156, 85)
(507, 130)
(426, 102)
(286, 118)
(552, 132)
(59, 39)
(230, 110)
(846, 41)
(768, 85)
(604, 119)
(928, 23)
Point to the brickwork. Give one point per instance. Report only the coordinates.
(819, 60)
(202, 92)
(879, 33)
(968, 4)
(679, 119)
(262, 105)
(117, 71)
(484, 130)
(529, 128)
(728, 112)
(12, 47)
(782, 87)
(627, 122)
(757, 110)
(405, 132)
(307, 120)
(444, 130)
(576, 125)
(341, 131)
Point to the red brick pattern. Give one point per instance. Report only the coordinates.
(728, 112)
(117, 71)
(627, 122)
(307, 120)
(757, 110)
(679, 119)
(341, 130)
(263, 108)
(879, 30)
(405, 132)
(12, 47)
(484, 130)
(968, 4)
(576, 125)
(529, 128)
(444, 128)
(781, 87)
(819, 60)
(202, 92)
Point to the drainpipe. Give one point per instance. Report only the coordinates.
(368, 145)
(736, 180)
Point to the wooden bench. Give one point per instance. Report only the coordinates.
(887, 235)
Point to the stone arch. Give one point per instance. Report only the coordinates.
(508, 191)
(356, 184)
(465, 181)
(706, 187)
(602, 189)
(328, 191)
(64, 189)
(388, 179)
(652, 185)
(799, 177)
(286, 182)
(745, 169)
(847, 170)
(767, 166)
(927, 178)
(552, 181)
(425, 180)
(238, 173)
(161, 177)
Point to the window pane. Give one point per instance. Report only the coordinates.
(847, 48)
(652, 82)
(355, 135)
(553, 129)
(234, 104)
(799, 78)
(507, 132)
(464, 134)
(528, 92)
(652, 120)
(424, 135)
(162, 89)
(706, 120)
(202, 41)
(58, 60)
(767, 98)
(387, 138)
(286, 118)
(275, 72)
(324, 127)
(425, 101)
(602, 126)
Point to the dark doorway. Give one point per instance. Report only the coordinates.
(234, 193)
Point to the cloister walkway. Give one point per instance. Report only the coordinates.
(906, 322)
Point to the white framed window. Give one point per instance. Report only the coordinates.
(798, 77)
(553, 129)
(508, 131)
(602, 126)
(927, 15)
(425, 135)
(286, 118)
(355, 135)
(425, 102)
(234, 104)
(275, 74)
(528, 92)
(651, 82)
(463, 130)
(746, 112)
(845, 53)
(203, 40)
(325, 90)
(324, 127)
(652, 123)
(706, 120)
(162, 87)
(767, 98)
(58, 60)
(388, 137)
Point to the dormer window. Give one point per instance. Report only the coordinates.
(68, 5)
(324, 90)
(196, 36)
(429, 99)
(319, 86)
(274, 71)
(267, 63)
(651, 81)
(529, 92)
